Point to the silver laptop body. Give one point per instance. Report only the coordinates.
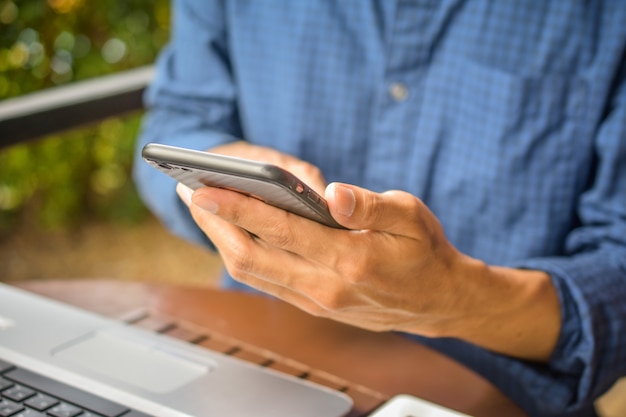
(144, 371)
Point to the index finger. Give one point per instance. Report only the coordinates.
(273, 225)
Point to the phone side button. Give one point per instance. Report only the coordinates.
(313, 197)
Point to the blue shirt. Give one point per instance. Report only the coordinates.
(507, 118)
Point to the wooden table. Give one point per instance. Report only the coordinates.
(370, 367)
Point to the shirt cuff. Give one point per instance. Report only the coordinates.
(589, 353)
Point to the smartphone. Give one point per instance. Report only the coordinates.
(268, 183)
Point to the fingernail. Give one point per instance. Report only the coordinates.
(184, 193)
(346, 201)
(205, 203)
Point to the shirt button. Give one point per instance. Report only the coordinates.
(398, 91)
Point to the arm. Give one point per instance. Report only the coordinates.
(567, 323)
(591, 278)
(191, 104)
(388, 275)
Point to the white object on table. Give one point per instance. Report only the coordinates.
(409, 406)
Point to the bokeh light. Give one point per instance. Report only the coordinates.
(45, 43)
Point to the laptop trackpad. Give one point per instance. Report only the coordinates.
(145, 366)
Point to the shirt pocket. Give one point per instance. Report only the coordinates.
(507, 151)
(505, 113)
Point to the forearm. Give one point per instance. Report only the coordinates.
(191, 103)
(514, 312)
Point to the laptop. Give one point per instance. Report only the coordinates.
(61, 361)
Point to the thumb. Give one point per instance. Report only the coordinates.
(357, 208)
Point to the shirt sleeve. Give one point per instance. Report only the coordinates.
(191, 103)
(590, 280)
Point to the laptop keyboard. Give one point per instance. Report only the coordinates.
(27, 394)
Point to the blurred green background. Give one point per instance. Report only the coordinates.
(84, 174)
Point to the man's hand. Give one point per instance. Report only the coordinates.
(395, 270)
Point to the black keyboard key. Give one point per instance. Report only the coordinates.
(70, 394)
(41, 402)
(8, 408)
(4, 384)
(18, 393)
(64, 410)
(27, 412)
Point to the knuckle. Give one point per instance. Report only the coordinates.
(238, 260)
(281, 231)
(235, 215)
(407, 204)
(413, 206)
(373, 211)
(281, 235)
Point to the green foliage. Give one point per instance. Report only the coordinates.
(63, 179)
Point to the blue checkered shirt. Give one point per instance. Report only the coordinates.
(507, 118)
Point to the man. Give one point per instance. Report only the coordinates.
(504, 125)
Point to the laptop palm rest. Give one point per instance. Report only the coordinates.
(146, 366)
(142, 370)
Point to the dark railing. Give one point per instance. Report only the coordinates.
(65, 107)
